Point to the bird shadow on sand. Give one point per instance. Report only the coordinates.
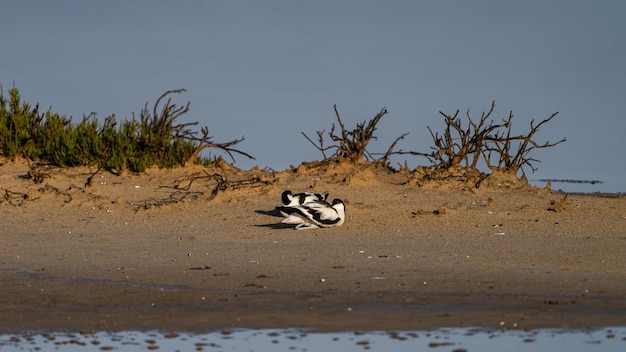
(274, 213)
(278, 226)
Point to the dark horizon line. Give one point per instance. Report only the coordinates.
(593, 182)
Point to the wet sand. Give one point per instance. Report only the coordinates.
(162, 250)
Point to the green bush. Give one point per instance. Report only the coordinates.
(153, 140)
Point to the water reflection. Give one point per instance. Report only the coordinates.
(457, 340)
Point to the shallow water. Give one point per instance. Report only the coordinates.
(448, 339)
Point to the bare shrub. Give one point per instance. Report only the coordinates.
(464, 144)
(352, 144)
(511, 159)
(458, 150)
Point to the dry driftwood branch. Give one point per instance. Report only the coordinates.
(511, 160)
(89, 181)
(320, 140)
(160, 126)
(11, 196)
(385, 158)
(205, 142)
(482, 133)
(221, 184)
(163, 123)
(34, 171)
(169, 112)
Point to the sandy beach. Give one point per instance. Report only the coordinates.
(199, 249)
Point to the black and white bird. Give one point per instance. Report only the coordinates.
(315, 214)
(289, 199)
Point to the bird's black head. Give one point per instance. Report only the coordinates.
(285, 196)
(338, 201)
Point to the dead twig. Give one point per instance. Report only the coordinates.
(513, 160)
(320, 140)
(205, 142)
(352, 144)
(221, 184)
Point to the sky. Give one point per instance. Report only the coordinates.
(269, 70)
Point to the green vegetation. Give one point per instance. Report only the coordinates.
(155, 139)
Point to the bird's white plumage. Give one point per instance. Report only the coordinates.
(314, 214)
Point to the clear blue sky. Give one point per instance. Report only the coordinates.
(268, 70)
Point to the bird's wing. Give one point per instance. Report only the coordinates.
(322, 212)
(293, 220)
